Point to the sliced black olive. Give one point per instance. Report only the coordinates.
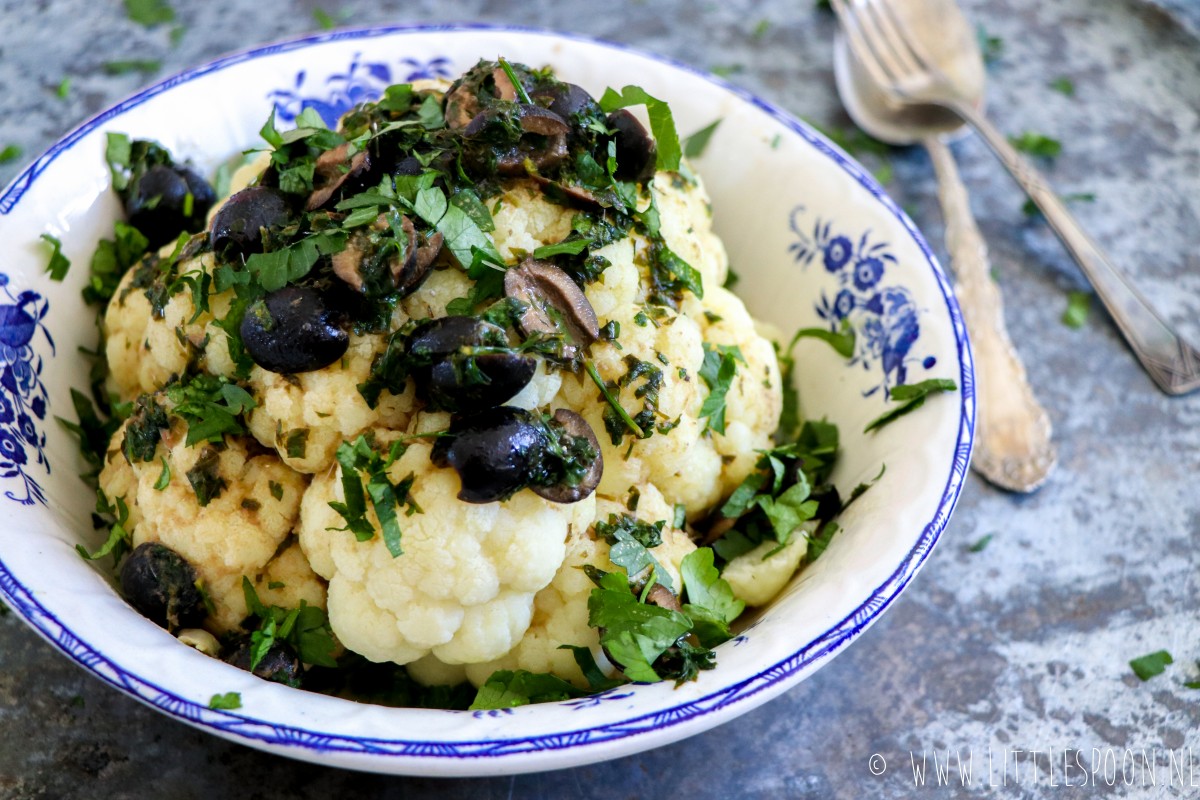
(412, 267)
(238, 226)
(551, 297)
(583, 465)
(159, 207)
(449, 378)
(636, 151)
(542, 143)
(567, 101)
(161, 585)
(494, 452)
(280, 663)
(333, 171)
(291, 330)
(663, 597)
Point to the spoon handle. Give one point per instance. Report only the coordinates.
(1012, 430)
(1171, 362)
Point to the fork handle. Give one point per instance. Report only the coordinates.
(1171, 362)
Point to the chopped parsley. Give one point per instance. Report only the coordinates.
(842, 341)
(229, 701)
(132, 65)
(325, 21)
(1076, 313)
(358, 457)
(662, 123)
(147, 421)
(59, 264)
(119, 539)
(111, 260)
(1151, 664)
(63, 91)
(205, 477)
(1036, 144)
(305, 629)
(10, 152)
(981, 544)
(694, 145)
(717, 372)
(510, 688)
(164, 477)
(1030, 208)
(149, 12)
(1064, 86)
(911, 396)
(990, 47)
(211, 406)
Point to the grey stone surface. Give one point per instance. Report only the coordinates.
(1022, 646)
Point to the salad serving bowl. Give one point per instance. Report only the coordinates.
(814, 240)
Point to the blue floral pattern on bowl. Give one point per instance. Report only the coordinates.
(884, 318)
(361, 82)
(23, 397)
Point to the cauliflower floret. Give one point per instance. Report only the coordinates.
(756, 577)
(305, 417)
(237, 533)
(463, 589)
(145, 349)
(560, 611)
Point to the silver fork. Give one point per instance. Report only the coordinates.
(897, 58)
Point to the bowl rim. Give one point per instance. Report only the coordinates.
(726, 701)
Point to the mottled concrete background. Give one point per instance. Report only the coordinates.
(1022, 646)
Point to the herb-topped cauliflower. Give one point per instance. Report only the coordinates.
(463, 374)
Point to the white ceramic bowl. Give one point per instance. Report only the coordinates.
(814, 239)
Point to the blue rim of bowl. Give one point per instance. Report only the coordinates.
(819, 649)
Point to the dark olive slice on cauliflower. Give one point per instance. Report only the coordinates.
(453, 377)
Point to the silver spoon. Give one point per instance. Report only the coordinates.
(1012, 430)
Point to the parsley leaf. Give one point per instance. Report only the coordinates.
(990, 47)
(912, 395)
(1064, 86)
(305, 629)
(119, 540)
(842, 341)
(164, 477)
(711, 602)
(11, 152)
(1151, 664)
(981, 544)
(210, 406)
(1076, 313)
(630, 541)
(149, 12)
(131, 65)
(694, 145)
(59, 264)
(717, 372)
(634, 634)
(662, 124)
(360, 457)
(1031, 209)
(1036, 144)
(111, 260)
(510, 688)
(230, 701)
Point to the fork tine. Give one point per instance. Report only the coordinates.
(860, 46)
(896, 30)
(883, 19)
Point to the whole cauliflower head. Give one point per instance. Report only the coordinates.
(463, 589)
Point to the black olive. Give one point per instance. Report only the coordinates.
(567, 101)
(280, 663)
(452, 380)
(552, 301)
(161, 585)
(542, 141)
(158, 204)
(576, 438)
(237, 227)
(494, 452)
(829, 502)
(636, 151)
(291, 330)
